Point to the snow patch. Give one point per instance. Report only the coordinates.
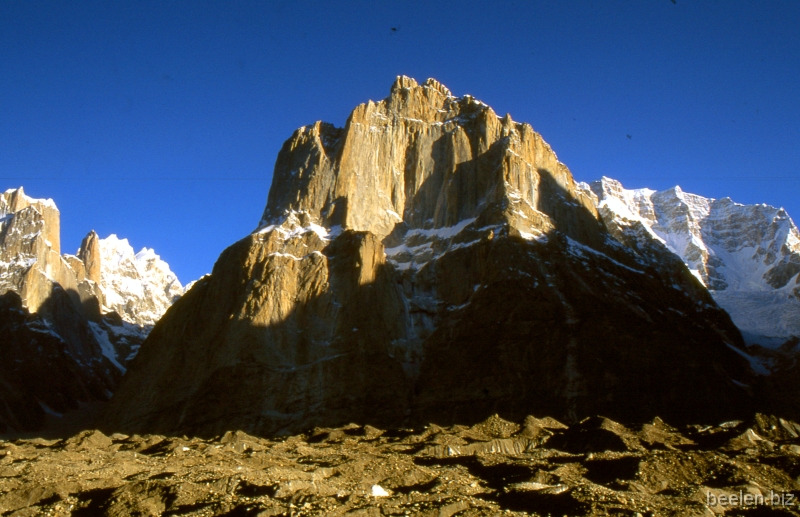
(444, 232)
(581, 250)
(755, 364)
(105, 345)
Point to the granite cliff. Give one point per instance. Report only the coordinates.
(431, 261)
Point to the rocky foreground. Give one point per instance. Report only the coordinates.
(541, 467)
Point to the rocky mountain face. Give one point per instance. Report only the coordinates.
(431, 261)
(747, 255)
(63, 350)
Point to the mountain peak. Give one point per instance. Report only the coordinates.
(15, 201)
(436, 85)
(140, 287)
(424, 159)
(403, 81)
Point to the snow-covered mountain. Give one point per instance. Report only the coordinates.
(748, 256)
(140, 287)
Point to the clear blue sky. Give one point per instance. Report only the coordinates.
(160, 120)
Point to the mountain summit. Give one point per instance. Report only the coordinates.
(423, 159)
(431, 261)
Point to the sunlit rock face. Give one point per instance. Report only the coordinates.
(30, 259)
(431, 262)
(747, 255)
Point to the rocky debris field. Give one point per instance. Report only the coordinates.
(539, 467)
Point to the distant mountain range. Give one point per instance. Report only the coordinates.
(430, 261)
(70, 323)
